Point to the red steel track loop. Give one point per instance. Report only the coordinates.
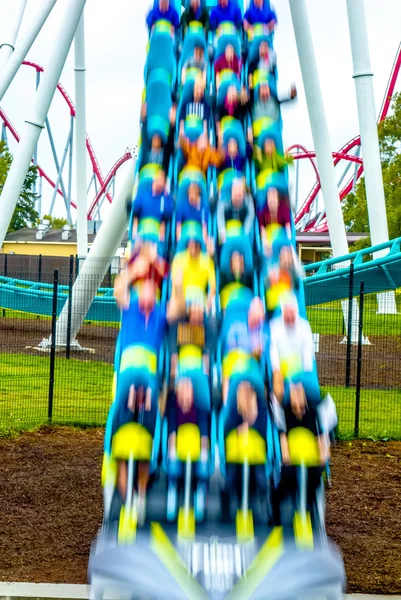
(95, 164)
(343, 153)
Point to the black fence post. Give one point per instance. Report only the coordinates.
(69, 316)
(349, 326)
(5, 265)
(40, 268)
(359, 360)
(53, 348)
(76, 266)
(109, 276)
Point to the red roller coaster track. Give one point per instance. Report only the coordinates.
(302, 153)
(343, 153)
(95, 164)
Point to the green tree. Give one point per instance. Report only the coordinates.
(25, 214)
(355, 208)
(56, 222)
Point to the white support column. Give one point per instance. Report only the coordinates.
(80, 140)
(321, 139)
(22, 47)
(319, 127)
(363, 76)
(367, 121)
(11, 31)
(95, 266)
(34, 123)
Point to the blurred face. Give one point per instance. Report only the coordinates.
(289, 315)
(196, 314)
(237, 264)
(232, 94)
(156, 142)
(198, 53)
(232, 148)
(298, 405)
(193, 249)
(147, 296)
(158, 183)
(193, 194)
(264, 92)
(237, 194)
(258, 3)
(185, 395)
(146, 249)
(195, 4)
(247, 405)
(223, 3)
(286, 258)
(198, 90)
(269, 147)
(272, 200)
(163, 5)
(229, 53)
(263, 50)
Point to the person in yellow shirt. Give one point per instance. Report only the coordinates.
(197, 270)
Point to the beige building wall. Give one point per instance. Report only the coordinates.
(37, 248)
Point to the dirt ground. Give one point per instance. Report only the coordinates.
(380, 362)
(51, 507)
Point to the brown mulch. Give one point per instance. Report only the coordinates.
(380, 362)
(51, 508)
(50, 504)
(364, 514)
(23, 335)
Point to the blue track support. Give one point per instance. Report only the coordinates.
(35, 156)
(70, 159)
(90, 182)
(36, 298)
(330, 277)
(59, 176)
(379, 274)
(57, 164)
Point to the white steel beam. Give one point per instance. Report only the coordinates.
(320, 132)
(11, 30)
(80, 140)
(22, 47)
(34, 123)
(95, 266)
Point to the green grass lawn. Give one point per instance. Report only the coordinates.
(82, 391)
(328, 319)
(6, 313)
(82, 395)
(379, 414)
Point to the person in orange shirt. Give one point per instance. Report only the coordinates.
(200, 153)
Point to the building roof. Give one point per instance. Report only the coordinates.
(53, 236)
(311, 237)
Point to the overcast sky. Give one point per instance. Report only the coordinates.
(115, 54)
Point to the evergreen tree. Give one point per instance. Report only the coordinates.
(25, 214)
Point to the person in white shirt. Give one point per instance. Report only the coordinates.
(292, 354)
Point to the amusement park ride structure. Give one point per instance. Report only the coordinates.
(13, 51)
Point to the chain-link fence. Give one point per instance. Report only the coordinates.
(358, 349)
(62, 382)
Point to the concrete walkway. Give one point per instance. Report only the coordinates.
(72, 592)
